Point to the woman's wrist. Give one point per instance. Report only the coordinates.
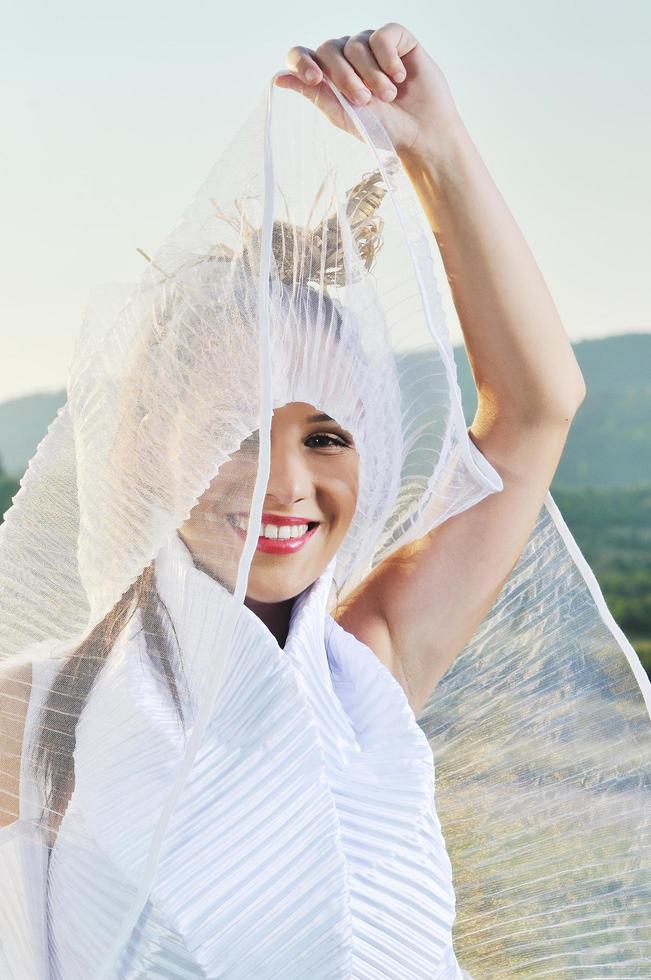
(438, 157)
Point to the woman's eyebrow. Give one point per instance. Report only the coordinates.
(321, 418)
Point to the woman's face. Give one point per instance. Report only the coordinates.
(313, 480)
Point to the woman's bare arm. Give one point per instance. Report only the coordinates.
(421, 605)
(521, 357)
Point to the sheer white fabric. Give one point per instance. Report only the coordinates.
(321, 816)
(302, 271)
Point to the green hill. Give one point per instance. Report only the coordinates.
(613, 530)
(8, 489)
(23, 423)
(609, 444)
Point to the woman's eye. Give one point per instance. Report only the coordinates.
(330, 440)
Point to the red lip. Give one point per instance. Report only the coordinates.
(279, 546)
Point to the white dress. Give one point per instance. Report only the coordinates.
(306, 842)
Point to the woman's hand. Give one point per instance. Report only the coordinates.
(386, 69)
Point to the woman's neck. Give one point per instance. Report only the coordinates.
(275, 616)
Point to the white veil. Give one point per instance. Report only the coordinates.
(540, 730)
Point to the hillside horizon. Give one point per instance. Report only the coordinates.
(609, 443)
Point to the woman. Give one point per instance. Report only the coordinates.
(232, 781)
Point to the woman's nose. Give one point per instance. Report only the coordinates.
(290, 478)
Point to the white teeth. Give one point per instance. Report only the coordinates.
(275, 531)
(283, 531)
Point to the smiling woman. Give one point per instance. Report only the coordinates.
(205, 769)
(311, 498)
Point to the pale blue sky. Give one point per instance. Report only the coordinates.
(112, 114)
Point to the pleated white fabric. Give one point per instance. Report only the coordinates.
(316, 850)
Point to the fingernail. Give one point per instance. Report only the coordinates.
(399, 76)
(387, 94)
(311, 75)
(360, 96)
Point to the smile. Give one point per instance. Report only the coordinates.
(275, 537)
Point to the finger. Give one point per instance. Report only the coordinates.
(291, 82)
(296, 84)
(330, 57)
(389, 45)
(358, 53)
(320, 95)
(301, 60)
